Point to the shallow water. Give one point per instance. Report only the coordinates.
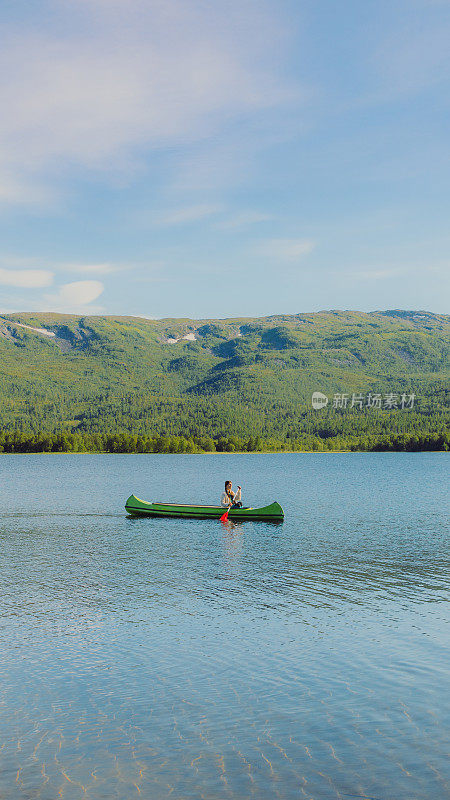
(191, 659)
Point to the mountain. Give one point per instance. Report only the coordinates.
(224, 384)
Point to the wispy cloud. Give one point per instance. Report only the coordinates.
(286, 250)
(374, 274)
(243, 219)
(91, 269)
(412, 269)
(20, 190)
(15, 263)
(26, 278)
(76, 297)
(183, 216)
(147, 74)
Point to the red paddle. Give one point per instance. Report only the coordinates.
(224, 517)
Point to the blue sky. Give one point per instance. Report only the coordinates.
(236, 158)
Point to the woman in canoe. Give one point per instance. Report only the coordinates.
(229, 498)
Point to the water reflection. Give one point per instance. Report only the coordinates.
(185, 658)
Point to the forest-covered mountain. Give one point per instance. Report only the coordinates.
(182, 384)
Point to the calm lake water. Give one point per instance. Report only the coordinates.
(191, 659)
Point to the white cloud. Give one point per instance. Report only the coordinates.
(76, 297)
(127, 76)
(38, 264)
(18, 190)
(285, 249)
(242, 219)
(375, 274)
(93, 269)
(26, 278)
(387, 271)
(182, 216)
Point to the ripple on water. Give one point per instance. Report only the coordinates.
(187, 659)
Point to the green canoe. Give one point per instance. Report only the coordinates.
(272, 513)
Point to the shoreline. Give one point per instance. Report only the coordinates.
(219, 453)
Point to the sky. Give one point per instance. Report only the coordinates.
(189, 158)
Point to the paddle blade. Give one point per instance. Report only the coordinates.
(224, 517)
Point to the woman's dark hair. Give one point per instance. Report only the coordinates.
(227, 483)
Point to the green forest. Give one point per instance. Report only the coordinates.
(124, 384)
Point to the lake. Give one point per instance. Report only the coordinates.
(191, 659)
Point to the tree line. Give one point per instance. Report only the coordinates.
(66, 442)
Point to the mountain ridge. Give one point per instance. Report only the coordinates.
(233, 377)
